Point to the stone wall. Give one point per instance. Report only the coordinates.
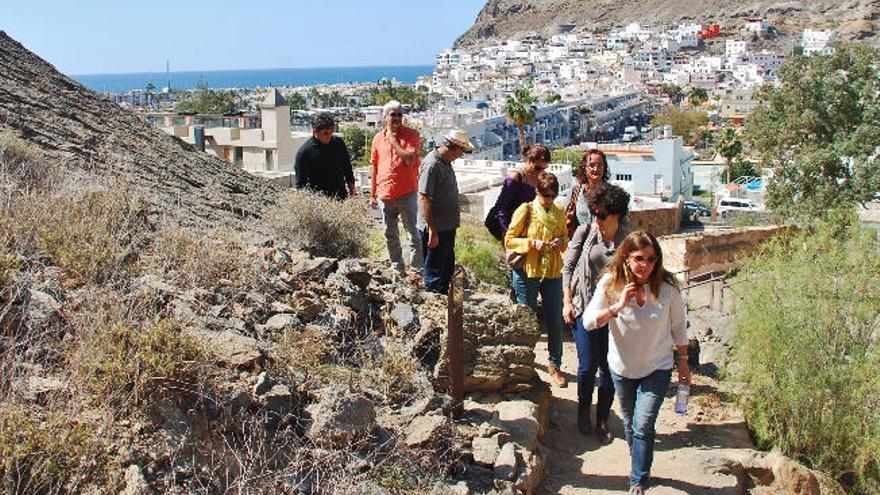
(705, 252)
(664, 219)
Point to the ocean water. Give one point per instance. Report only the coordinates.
(122, 83)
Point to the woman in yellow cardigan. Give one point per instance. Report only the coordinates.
(538, 230)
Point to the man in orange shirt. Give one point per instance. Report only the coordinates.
(395, 181)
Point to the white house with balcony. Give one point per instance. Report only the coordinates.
(269, 148)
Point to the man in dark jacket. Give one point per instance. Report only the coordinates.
(323, 163)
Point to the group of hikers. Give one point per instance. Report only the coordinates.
(625, 310)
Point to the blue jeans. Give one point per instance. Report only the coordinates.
(592, 350)
(439, 261)
(406, 208)
(640, 401)
(527, 290)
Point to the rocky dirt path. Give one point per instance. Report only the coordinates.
(578, 464)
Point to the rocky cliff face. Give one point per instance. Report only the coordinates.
(77, 127)
(501, 19)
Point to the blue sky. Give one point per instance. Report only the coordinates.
(104, 36)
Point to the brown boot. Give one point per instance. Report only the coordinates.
(556, 376)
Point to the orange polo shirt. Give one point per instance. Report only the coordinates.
(394, 177)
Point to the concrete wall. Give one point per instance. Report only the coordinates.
(705, 252)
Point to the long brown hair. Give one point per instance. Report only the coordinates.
(617, 267)
(585, 162)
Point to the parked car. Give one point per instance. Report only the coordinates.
(736, 204)
(694, 209)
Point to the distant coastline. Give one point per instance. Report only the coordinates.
(251, 78)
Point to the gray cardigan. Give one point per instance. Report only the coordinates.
(576, 263)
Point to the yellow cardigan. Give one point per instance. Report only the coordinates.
(517, 241)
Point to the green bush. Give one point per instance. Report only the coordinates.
(128, 366)
(321, 225)
(48, 452)
(478, 251)
(807, 344)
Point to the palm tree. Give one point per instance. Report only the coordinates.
(520, 110)
(729, 147)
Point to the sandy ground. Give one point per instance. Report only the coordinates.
(578, 464)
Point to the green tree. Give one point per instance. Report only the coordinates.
(207, 100)
(355, 138)
(673, 92)
(697, 96)
(568, 156)
(730, 147)
(520, 110)
(553, 98)
(297, 101)
(820, 131)
(685, 123)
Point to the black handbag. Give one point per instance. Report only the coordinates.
(492, 223)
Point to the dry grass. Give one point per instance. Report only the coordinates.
(305, 350)
(391, 372)
(49, 452)
(128, 366)
(191, 258)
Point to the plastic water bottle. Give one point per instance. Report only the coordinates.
(681, 398)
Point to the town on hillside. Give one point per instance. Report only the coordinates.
(604, 90)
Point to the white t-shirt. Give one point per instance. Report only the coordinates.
(642, 337)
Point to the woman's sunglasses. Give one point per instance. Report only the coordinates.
(601, 215)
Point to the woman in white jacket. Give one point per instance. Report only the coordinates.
(643, 306)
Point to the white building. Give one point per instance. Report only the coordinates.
(757, 26)
(817, 42)
(735, 48)
(661, 169)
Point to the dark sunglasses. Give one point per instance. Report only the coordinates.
(644, 259)
(396, 114)
(601, 215)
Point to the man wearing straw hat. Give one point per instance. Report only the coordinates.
(439, 212)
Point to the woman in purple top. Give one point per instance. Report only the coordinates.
(519, 187)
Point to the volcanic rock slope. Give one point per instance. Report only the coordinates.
(502, 19)
(85, 132)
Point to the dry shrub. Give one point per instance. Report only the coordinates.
(392, 372)
(321, 225)
(94, 237)
(48, 452)
(193, 258)
(7, 264)
(127, 366)
(16, 152)
(91, 232)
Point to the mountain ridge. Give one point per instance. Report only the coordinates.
(78, 128)
(503, 19)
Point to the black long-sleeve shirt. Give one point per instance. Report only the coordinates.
(325, 168)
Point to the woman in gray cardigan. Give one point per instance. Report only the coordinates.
(589, 251)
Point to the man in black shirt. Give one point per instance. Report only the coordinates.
(323, 163)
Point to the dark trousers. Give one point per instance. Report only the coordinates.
(592, 350)
(439, 261)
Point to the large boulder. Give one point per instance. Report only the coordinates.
(340, 417)
(229, 348)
